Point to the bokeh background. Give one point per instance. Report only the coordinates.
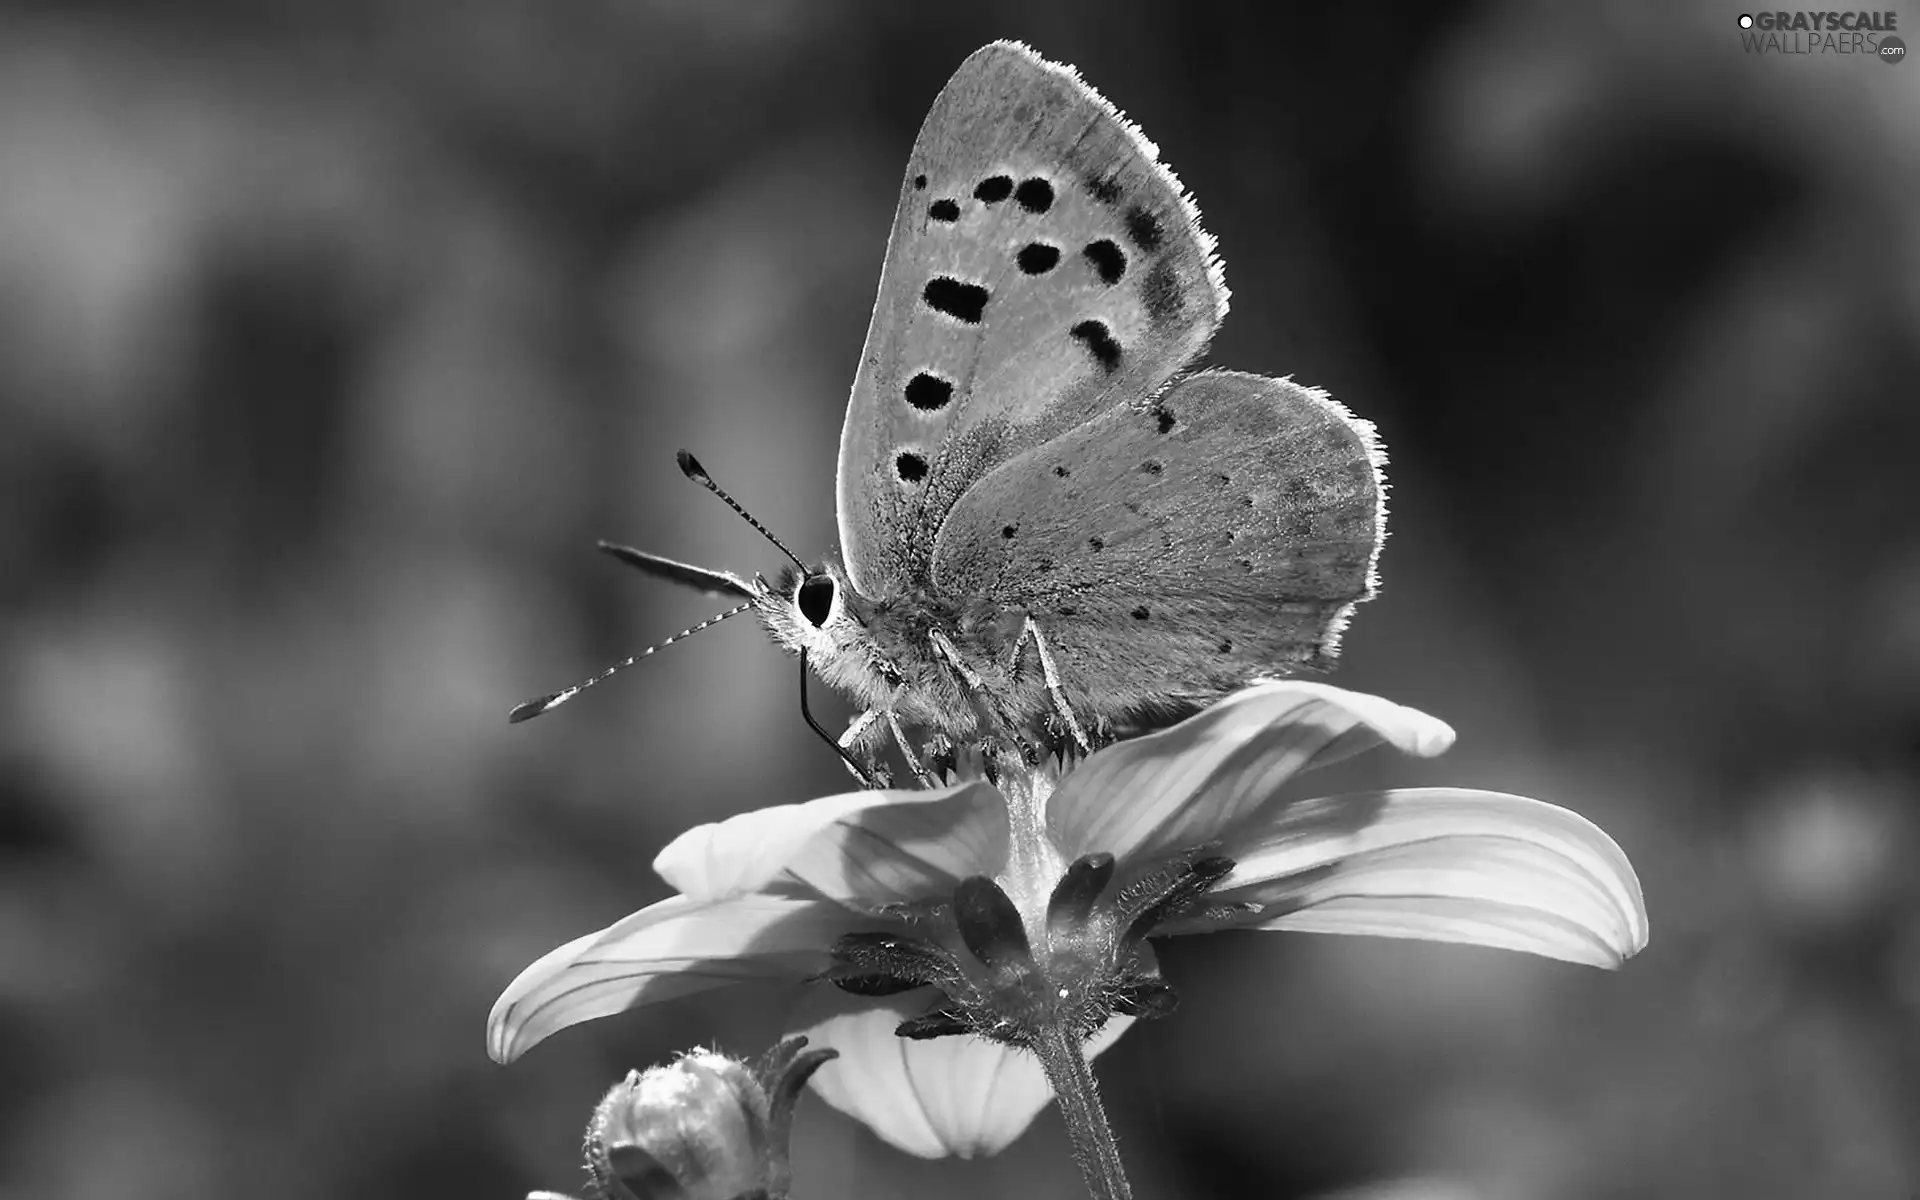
(331, 336)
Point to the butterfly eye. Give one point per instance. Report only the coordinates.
(815, 599)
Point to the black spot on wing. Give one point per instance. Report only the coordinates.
(1099, 342)
(1108, 259)
(1035, 195)
(993, 189)
(1037, 258)
(911, 467)
(956, 298)
(928, 393)
(944, 211)
(1160, 292)
(1144, 228)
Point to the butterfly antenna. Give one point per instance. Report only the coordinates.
(533, 708)
(691, 468)
(859, 771)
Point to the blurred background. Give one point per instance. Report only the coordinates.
(332, 336)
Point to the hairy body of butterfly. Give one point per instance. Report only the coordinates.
(1044, 525)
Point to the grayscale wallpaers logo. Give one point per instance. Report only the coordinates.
(1867, 34)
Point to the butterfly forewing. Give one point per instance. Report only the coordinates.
(1043, 267)
(1177, 549)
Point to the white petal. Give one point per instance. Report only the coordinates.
(1443, 864)
(669, 949)
(959, 1096)
(1188, 784)
(866, 847)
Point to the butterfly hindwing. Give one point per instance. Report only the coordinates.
(1218, 533)
(1043, 267)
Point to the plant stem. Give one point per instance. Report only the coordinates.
(783, 1072)
(1065, 1061)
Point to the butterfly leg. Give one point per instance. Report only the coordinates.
(914, 764)
(991, 714)
(1051, 674)
(875, 774)
(951, 653)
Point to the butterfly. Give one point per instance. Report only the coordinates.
(1048, 524)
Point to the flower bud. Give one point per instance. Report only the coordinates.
(706, 1127)
(695, 1129)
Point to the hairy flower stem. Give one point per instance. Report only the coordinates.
(1065, 1060)
(1033, 867)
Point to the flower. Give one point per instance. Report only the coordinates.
(698, 1124)
(704, 1127)
(1027, 905)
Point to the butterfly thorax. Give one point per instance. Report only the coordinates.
(909, 632)
(883, 652)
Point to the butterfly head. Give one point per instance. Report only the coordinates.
(816, 611)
